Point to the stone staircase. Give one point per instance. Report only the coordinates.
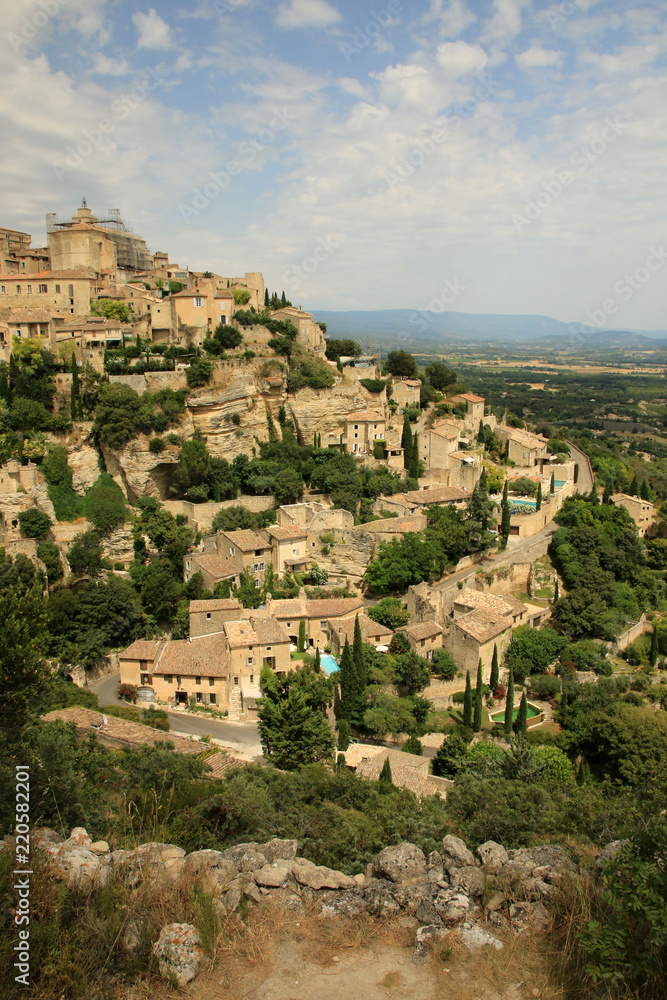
(235, 707)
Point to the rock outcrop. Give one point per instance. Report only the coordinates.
(478, 897)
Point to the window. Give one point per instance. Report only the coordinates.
(211, 681)
(198, 303)
(208, 615)
(252, 678)
(70, 291)
(268, 649)
(168, 678)
(258, 552)
(232, 552)
(288, 624)
(250, 661)
(2, 290)
(199, 697)
(198, 681)
(146, 679)
(18, 289)
(323, 624)
(356, 427)
(43, 289)
(236, 682)
(213, 699)
(29, 289)
(57, 289)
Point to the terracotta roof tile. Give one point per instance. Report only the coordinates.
(502, 604)
(245, 540)
(142, 649)
(229, 604)
(285, 532)
(483, 625)
(422, 630)
(205, 656)
(366, 416)
(370, 631)
(438, 494)
(216, 566)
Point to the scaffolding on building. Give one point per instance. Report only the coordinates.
(132, 254)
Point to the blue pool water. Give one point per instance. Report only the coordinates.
(524, 503)
(559, 483)
(328, 663)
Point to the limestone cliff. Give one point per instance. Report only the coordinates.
(138, 471)
(323, 411)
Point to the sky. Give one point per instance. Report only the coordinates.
(490, 156)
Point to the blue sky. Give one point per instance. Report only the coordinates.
(514, 149)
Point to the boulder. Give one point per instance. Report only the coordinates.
(492, 855)
(609, 852)
(246, 857)
(475, 937)
(426, 912)
(380, 898)
(100, 847)
(471, 880)
(130, 939)
(153, 861)
(453, 907)
(317, 877)
(455, 852)
(551, 856)
(179, 952)
(216, 870)
(280, 850)
(528, 916)
(404, 863)
(273, 876)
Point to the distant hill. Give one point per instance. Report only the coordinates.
(415, 330)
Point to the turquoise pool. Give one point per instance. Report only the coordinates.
(523, 503)
(328, 663)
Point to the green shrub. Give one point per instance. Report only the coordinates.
(173, 439)
(49, 553)
(105, 504)
(66, 504)
(199, 372)
(242, 296)
(85, 554)
(34, 523)
(128, 692)
(119, 566)
(156, 445)
(544, 685)
(374, 385)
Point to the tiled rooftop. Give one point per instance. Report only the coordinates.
(370, 631)
(229, 604)
(142, 649)
(438, 494)
(285, 532)
(216, 566)
(204, 656)
(502, 604)
(422, 630)
(483, 625)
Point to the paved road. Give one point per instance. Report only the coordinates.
(242, 736)
(585, 482)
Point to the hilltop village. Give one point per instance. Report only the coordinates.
(363, 603)
(234, 374)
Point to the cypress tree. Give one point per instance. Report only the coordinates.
(4, 384)
(348, 683)
(643, 493)
(319, 440)
(477, 721)
(302, 636)
(480, 433)
(557, 591)
(505, 521)
(339, 365)
(343, 734)
(80, 409)
(358, 657)
(495, 674)
(606, 496)
(538, 503)
(634, 486)
(267, 301)
(385, 774)
(522, 717)
(583, 773)
(593, 495)
(509, 703)
(283, 300)
(563, 703)
(552, 487)
(415, 464)
(317, 666)
(406, 442)
(467, 703)
(654, 647)
(507, 448)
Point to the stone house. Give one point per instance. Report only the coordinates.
(209, 617)
(254, 549)
(203, 309)
(473, 636)
(468, 600)
(406, 392)
(88, 338)
(362, 429)
(213, 567)
(641, 511)
(317, 614)
(289, 548)
(525, 449)
(27, 324)
(60, 293)
(175, 671)
(371, 632)
(474, 408)
(436, 444)
(253, 643)
(407, 769)
(424, 637)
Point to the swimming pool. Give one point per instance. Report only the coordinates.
(523, 503)
(328, 663)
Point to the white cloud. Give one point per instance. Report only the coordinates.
(154, 33)
(453, 19)
(306, 14)
(460, 59)
(538, 58)
(184, 61)
(505, 23)
(105, 66)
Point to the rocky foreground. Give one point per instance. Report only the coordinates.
(449, 891)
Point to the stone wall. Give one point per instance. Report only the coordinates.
(201, 515)
(642, 627)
